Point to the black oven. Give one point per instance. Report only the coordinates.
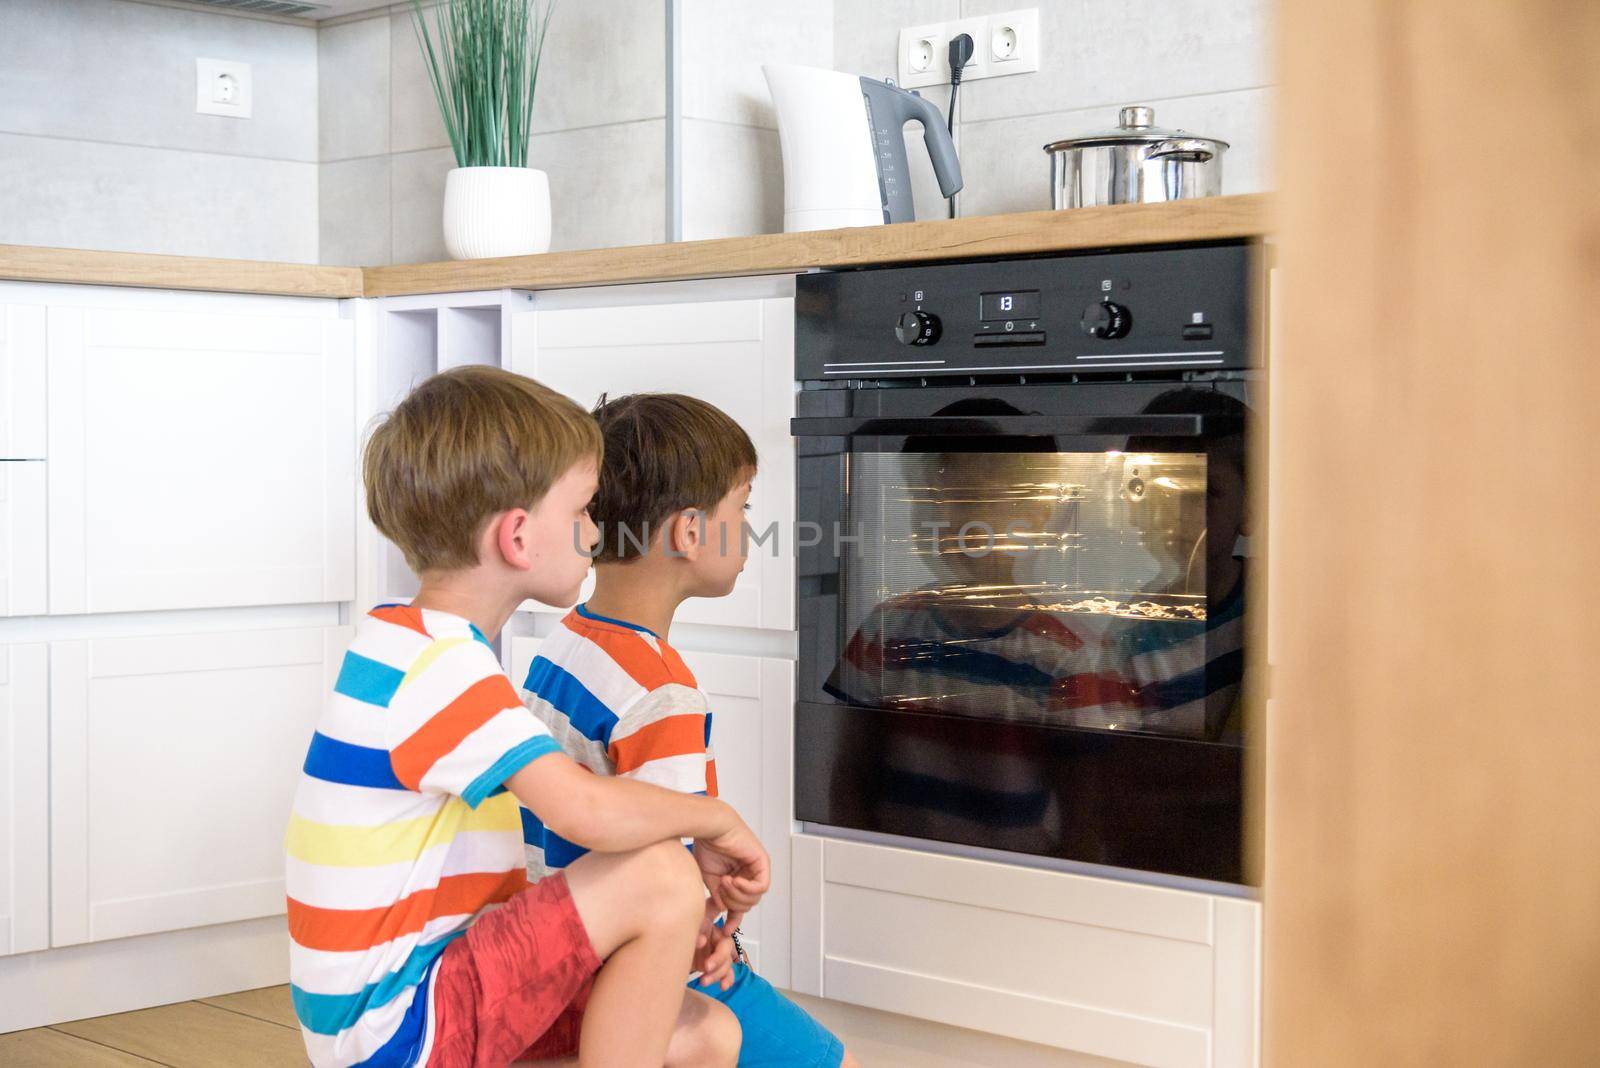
(1023, 553)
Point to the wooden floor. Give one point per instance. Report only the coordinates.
(255, 1029)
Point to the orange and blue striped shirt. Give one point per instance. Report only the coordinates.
(620, 701)
(402, 832)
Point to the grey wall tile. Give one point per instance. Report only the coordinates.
(725, 43)
(353, 89)
(416, 192)
(1099, 52)
(114, 71)
(607, 184)
(1006, 169)
(866, 33)
(414, 121)
(732, 180)
(134, 199)
(604, 62)
(353, 212)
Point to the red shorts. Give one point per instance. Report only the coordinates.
(514, 986)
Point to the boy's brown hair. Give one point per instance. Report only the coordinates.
(464, 445)
(664, 452)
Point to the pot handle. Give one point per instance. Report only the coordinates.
(1191, 150)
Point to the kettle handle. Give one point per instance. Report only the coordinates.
(909, 106)
(1191, 150)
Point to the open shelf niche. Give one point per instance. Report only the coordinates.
(418, 337)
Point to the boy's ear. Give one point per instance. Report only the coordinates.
(685, 535)
(508, 535)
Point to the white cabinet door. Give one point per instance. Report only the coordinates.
(22, 379)
(173, 763)
(1142, 974)
(752, 715)
(199, 459)
(22, 468)
(24, 799)
(22, 538)
(736, 354)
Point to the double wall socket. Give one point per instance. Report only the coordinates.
(1007, 43)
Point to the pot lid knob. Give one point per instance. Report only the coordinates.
(1135, 117)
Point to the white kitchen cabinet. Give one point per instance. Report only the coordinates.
(736, 354)
(752, 715)
(173, 763)
(1137, 973)
(199, 457)
(22, 467)
(22, 382)
(24, 799)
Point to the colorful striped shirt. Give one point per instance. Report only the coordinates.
(402, 832)
(620, 701)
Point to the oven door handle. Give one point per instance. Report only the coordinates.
(1165, 426)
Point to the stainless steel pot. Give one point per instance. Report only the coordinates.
(1136, 163)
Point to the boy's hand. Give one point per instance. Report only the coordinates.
(736, 870)
(714, 951)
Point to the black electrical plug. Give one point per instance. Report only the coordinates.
(960, 55)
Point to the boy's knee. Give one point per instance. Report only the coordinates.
(709, 1035)
(674, 879)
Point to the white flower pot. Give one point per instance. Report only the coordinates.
(496, 211)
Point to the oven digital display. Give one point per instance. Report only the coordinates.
(1023, 304)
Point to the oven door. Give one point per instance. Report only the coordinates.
(1025, 631)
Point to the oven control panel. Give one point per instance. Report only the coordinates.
(1165, 310)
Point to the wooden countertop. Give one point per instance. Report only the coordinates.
(30, 263)
(1211, 219)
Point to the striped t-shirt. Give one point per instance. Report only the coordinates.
(402, 832)
(620, 701)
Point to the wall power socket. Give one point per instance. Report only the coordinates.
(1006, 43)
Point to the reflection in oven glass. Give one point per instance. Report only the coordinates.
(1079, 589)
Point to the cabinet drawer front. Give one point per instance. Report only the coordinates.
(1142, 974)
(174, 760)
(205, 460)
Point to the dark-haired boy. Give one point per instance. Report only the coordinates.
(673, 491)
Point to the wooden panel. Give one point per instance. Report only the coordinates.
(1433, 856)
(193, 1035)
(28, 263)
(1215, 218)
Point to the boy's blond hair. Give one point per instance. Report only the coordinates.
(665, 452)
(463, 446)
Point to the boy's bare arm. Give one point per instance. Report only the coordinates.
(613, 815)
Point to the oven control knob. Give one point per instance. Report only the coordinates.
(1106, 320)
(917, 328)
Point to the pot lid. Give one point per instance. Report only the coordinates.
(1135, 125)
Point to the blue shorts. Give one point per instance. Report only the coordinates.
(777, 1032)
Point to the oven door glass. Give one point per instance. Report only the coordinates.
(1083, 580)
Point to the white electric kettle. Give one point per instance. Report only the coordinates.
(844, 152)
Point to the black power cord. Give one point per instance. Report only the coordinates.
(960, 55)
